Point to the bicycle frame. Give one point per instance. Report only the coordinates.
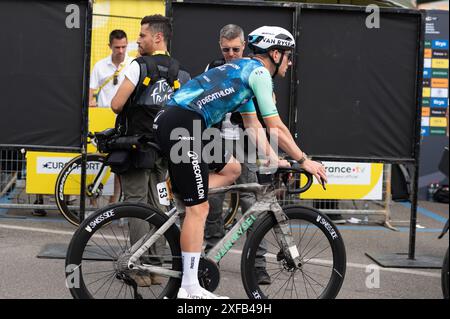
(265, 202)
(101, 178)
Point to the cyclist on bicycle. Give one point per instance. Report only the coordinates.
(203, 102)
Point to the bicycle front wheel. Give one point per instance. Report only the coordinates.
(98, 255)
(322, 254)
(102, 187)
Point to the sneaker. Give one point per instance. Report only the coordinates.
(200, 294)
(262, 277)
(39, 212)
(156, 279)
(337, 218)
(145, 280)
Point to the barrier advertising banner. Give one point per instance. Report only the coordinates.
(43, 167)
(350, 180)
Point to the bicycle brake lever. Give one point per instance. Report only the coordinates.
(322, 182)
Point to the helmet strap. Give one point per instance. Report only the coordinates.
(277, 65)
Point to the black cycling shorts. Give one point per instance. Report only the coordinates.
(178, 133)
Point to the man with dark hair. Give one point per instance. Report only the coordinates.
(108, 74)
(149, 82)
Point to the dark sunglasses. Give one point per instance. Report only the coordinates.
(235, 50)
(289, 55)
(115, 78)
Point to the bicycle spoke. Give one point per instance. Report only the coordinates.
(305, 262)
(112, 280)
(314, 281)
(107, 242)
(116, 238)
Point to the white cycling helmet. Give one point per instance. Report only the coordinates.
(268, 38)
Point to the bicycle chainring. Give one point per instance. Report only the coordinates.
(208, 274)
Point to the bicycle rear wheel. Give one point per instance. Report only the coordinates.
(68, 186)
(322, 254)
(97, 257)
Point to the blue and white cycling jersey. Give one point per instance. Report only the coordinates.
(228, 88)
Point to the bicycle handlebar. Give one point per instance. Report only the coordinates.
(295, 168)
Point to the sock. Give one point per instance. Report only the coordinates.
(190, 271)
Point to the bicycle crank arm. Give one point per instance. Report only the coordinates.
(159, 271)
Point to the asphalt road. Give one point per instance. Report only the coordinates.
(23, 275)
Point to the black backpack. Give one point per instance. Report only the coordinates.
(157, 82)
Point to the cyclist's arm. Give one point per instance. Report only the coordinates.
(258, 136)
(261, 83)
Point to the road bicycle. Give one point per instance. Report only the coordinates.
(305, 252)
(102, 186)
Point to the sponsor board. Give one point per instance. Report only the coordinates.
(425, 111)
(439, 63)
(439, 83)
(438, 121)
(349, 181)
(439, 92)
(425, 131)
(439, 73)
(43, 167)
(438, 112)
(439, 44)
(438, 131)
(439, 102)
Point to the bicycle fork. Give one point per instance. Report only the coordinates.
(284, 238)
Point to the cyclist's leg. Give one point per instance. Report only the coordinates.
(189, 177)
(227, 175)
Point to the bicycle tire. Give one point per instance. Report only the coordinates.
(230, 209)
(306, 223)
(69, 175)
(84, 255)
(445, 277)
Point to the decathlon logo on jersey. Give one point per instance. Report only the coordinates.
(214, 96)
(197, 172)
